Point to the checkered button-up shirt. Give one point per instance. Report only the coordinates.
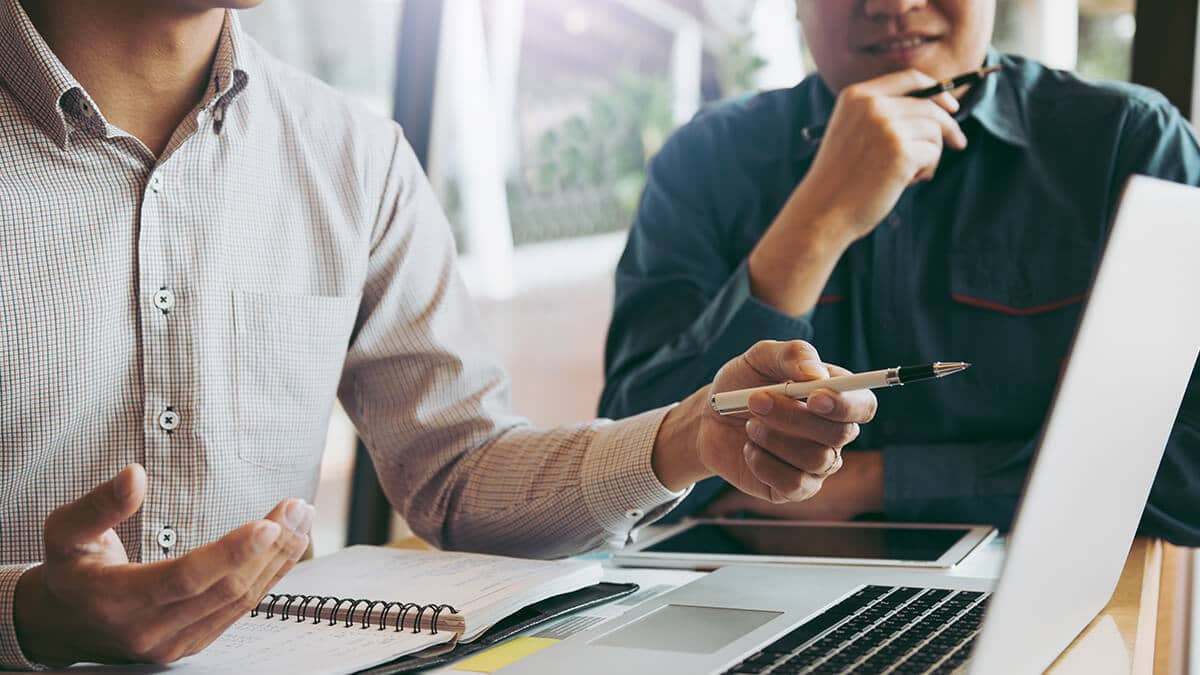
(199, 311)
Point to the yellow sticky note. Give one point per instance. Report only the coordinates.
(491, 660)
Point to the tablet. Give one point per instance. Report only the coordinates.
(706, 544)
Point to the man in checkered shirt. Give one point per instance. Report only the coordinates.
(200, 249)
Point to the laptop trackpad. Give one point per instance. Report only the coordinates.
(687, 628)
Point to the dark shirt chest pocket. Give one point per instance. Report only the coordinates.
(1014, 315)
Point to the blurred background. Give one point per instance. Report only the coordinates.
(543, 114)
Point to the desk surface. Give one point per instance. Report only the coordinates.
(1122, 636)
(1142, 628)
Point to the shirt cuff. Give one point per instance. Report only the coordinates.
(736, 319)
(11, 655)
(620, 488)
(954, 482)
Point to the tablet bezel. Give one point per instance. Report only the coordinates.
(636, 556)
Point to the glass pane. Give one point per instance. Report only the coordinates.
(1104, 31)
(590, 103)
(349, 44)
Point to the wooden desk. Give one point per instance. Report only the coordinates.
(1144, 628)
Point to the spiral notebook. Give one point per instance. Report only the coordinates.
(366, 605)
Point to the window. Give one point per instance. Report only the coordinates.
(1093, 37)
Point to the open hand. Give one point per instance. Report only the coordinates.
(87, 602)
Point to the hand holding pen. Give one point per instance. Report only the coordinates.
(738, 401)
(813, 134)
(881, 139)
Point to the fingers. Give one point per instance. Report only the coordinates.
(778, 361)
(786, 483)
(932, 123)
(296, 516)
(228, 567)
(951, 132)
(211, 627)
(208, 629)
(898, 83)
(806, 436)
(849, 407)
(238, 554)
(946, 101)
(904, 82)
(803, 455)
(219, 583)
(806, 454)
(74, 525)
(798, 420)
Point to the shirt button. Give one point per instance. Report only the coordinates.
(164, 299)
(155, 183)
(167, 538)
(168, 420)
(893, 220)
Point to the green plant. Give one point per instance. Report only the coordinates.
(609, 142)
(737, 62)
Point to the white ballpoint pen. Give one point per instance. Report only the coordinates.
(738, 401)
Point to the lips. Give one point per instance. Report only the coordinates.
(898, 44)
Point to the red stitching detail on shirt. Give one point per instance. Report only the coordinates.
(1018, 311)
(828, 299)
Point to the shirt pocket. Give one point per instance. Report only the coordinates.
(1013, 317)
(290, 353)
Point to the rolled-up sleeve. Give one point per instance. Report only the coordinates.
(432, 407)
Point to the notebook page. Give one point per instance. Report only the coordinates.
(262, 645)
(482, 588)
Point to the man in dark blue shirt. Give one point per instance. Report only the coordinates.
(889, 230)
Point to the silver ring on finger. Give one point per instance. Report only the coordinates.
(833, 468)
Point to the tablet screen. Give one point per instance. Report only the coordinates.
(815, 541)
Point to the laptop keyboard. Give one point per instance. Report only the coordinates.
(879, 629)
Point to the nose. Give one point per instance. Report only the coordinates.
(884, 9)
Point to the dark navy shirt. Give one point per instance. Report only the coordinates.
(989, 263)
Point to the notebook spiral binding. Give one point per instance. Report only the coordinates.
(304, 602)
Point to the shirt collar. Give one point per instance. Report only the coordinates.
(994, 104)
(59, 103)
(228, 77)
(35, 76)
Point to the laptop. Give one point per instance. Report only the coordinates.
(1077, 518)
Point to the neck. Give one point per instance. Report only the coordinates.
(145, 63)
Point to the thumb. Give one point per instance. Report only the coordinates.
(72, 526)
(782, 361)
